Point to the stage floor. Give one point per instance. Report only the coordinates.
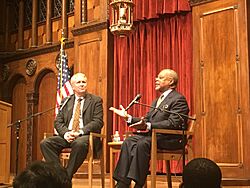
(161, 182)
(82, 182)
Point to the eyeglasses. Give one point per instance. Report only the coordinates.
(163, 78)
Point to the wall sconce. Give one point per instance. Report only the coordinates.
(121, 17)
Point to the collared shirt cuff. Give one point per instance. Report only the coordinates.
(65, 136)
(148, 126)
(81, 132)
(129, 119)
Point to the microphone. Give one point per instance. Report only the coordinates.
(137, 97)
(64, 103)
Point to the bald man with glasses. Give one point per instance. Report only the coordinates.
(133, 163)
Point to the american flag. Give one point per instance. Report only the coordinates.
(64, 88)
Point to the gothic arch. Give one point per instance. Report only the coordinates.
(10, 84)
(39, 78)
(44, 103)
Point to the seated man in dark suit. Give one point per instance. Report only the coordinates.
(80, 114)
(134, 158)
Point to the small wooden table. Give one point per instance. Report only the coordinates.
(115, 147)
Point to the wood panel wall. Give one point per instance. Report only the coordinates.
(221, 80)
(29, 95)
(56, 34)
(90, 50)
(91, 54)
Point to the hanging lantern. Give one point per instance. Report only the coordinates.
(121, 17)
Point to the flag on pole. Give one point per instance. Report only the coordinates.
(64, 88)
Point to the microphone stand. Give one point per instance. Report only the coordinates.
(17, 125)
(183, 124)
(165, 110)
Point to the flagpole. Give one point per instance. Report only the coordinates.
(64, 88)
(62, 41)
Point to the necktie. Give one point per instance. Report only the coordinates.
(76, 121)
(159, 101)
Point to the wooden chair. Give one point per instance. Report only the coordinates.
(167, 155)
(91, 158)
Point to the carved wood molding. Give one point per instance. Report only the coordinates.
(31, 66)
(198, 2)
(90, 27)
(34, 52)
(5, 72)
(32, 100)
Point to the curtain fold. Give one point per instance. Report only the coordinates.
(148, 9)
(165, 42)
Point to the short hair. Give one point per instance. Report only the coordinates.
(42, 174)
(76, 76)
(201, 173)
(173, 75)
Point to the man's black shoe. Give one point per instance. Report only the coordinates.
(138, 186)
(121, 184)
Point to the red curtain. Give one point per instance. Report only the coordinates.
(162, 42)
(147, 9)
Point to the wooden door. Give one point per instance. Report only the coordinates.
(19, 113)
(5, 119)
(46, 103)
(91, 55)
(221, 85)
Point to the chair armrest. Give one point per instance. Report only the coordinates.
(169, 131)
(97, 135)
(91, 137)
(164, 131)
(46, 135)
(91, 143)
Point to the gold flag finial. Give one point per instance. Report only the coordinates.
(62, 40)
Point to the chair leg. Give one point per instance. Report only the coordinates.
(102, 170)
(168, 174)
(90, 172)
(153, 176)
(145, 184)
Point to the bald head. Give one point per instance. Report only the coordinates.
(166, 79)
(77, 76)
(79, 84)
(172, 75)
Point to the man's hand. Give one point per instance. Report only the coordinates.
(140, 125)
(70, 136)
(121, 112)
(75, 134)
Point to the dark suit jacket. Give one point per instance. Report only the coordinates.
(175, 102)
(92, 114)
